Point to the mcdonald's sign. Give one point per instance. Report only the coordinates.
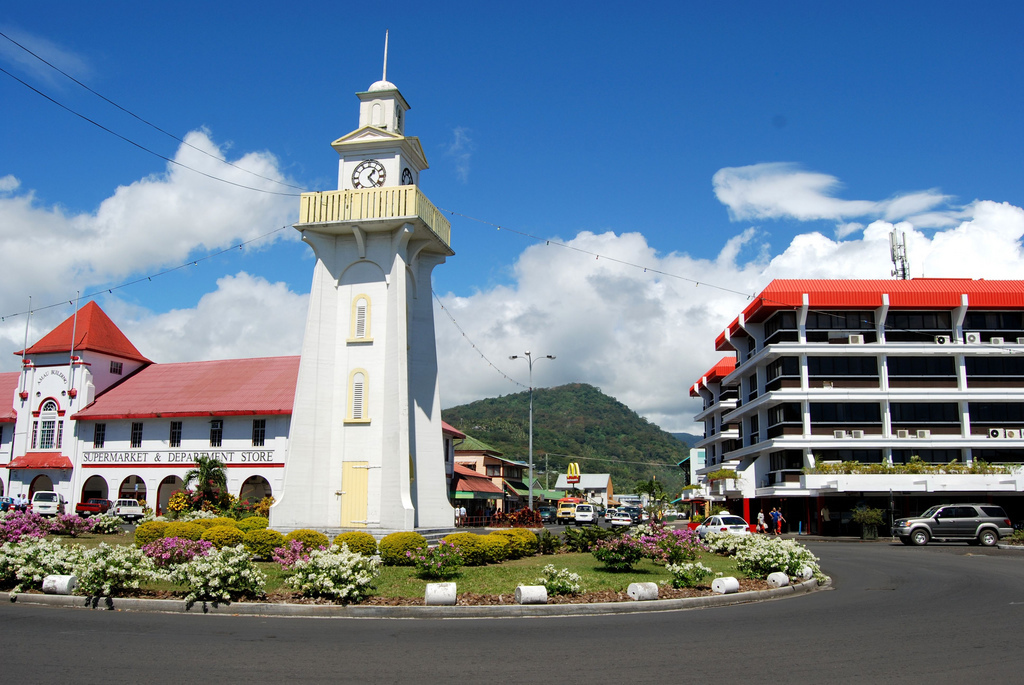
(573, 475)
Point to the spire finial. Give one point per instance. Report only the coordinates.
(385, 77)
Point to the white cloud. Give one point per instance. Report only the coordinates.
(62, 58)
(781, 190)
(460, 149)
(645, 339)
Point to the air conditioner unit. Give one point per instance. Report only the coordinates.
(924, 434)
(902, 434)
(972, 338)
(839, 434)
(943, 340)
(856, 434)
(1012, 433)
(856, 339)
(996, 433)
(996, 340)
(1020, 341)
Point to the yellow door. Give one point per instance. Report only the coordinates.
(354, 487)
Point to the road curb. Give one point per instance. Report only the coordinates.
(177, 606)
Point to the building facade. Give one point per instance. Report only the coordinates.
(842, 394)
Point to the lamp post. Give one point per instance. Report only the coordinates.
(529, 360)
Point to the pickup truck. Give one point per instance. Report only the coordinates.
(128, 509)
(92, 507)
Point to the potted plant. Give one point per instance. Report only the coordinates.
(869, 519)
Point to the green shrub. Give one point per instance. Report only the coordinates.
(394, 546)
(310, 539)
(224, 536)
(583, 539)
(358, 541)
(253, 523)
(521, 542)
(148, 532)
(184, 529)
(218, 521)
(495, 548)
(470, 547)
(548, 543)
(262, 542)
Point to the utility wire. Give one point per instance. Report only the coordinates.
(473, 345)
(146, 122)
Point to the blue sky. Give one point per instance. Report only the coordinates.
(728, 144)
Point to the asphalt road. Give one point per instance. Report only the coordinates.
(939, 614)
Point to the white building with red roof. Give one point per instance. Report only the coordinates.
(897, 394)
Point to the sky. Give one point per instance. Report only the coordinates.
(620, 179)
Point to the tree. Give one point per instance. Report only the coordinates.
(655, 494)
(211, 481)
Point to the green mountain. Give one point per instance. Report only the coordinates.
(689, 438)
(575, 423)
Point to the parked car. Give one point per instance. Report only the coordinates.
(93, 506)
(619, 518)
(723, 523)
(547, 514)
(6, 503)
(635, 513)
(609, 513)
(128, 509)
(585, 513)
(971, 523)
(47, 503)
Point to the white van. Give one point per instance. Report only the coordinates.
(585, 513)
(47, 503)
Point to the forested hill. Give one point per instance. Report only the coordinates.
(602, 435)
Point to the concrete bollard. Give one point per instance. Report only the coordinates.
(59, 585)
(440, 594)
(640, 592)
(531, 594)
(806, 573)
(725, 586)
(778, 579)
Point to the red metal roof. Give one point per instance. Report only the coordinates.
(228, 387)
(93, 331)
(916, 293)
(8, 386)
(448, 429)
(473, 481)
(717, 372)
(40, 460)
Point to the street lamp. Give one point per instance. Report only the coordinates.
(529, 360)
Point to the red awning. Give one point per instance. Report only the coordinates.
(40, 460)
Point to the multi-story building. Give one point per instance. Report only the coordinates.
(838, 394)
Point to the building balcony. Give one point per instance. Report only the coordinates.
(369, 206)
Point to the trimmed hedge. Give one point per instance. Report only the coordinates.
(253, 523)
(521, 542)
(184, 529)
(224, 536)
(218, 521)
(358, 541)
(148, 532)
(394, 546)
(310, 539)
(470, 547)
(262, 542)
(495, 548)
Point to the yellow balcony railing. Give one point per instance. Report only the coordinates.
(374, 203)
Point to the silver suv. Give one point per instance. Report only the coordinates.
(971, 523)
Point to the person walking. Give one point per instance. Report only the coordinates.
(761, 526)
(778, 523)
(776, 518)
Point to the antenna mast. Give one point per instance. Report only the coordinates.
(898, 254)
(385, 77)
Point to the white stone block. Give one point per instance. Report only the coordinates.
(440, 594)
(59, 585)
(531, 594)
(642, 591)
(806, 573)
(725, 586)
(778, 579)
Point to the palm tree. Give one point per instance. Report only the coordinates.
(211, 479)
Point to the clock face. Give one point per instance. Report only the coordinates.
(369, 174)
(406, 177)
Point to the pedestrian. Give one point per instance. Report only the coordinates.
(826, 515)
(761, 526)
(462, 514)
(778, 523)
(776, 520)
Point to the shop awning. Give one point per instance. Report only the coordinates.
(40, 460)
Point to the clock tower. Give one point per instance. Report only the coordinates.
(365, 443)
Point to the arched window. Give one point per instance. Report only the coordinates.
(360, 329)
(358, 393)
(47, 431)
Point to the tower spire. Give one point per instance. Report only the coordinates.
(385, 77)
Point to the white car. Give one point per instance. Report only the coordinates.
(619, 518)
(128, 509)
(723, 523)
(585, 513)
(47, 503)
